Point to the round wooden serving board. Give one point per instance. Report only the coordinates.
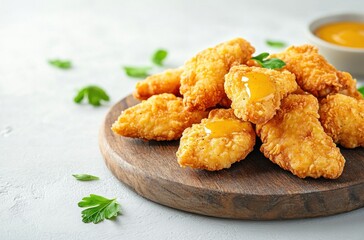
(254, 188)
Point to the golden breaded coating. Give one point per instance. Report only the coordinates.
(225, 102)
(162, 117)
(343, 119)
(349, 86)
(165, 82)
(295, 140)
(256, 93)
(314, 74)
(202, 81)
(217, 142)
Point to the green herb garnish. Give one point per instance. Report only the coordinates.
(271, 63)
(361, 90)
(159, 56)
(137, 72)
(85, 177)
(275, 44)
(143, 72)
(62, 64)
(98, 209)
(94, 95)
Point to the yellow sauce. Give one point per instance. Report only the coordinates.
(347, 34)
(224, 128)
(258, 85)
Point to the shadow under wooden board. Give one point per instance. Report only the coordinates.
(253, 189)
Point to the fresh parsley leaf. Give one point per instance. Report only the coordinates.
(85, 177)
(62, 64)
(94, 95)
(261, 57)
(142, 72)
(271, 63)
(137, 72)
(361, 90)
(159, 56)
(98, 209)
(275, 44)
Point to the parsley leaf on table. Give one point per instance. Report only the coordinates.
(272, 63)
(85, 177)
(159, 56)
(276, 44)
(94, 95)
(99, 208)
(361, 90)
(62, 64)
(137, 72)
(143, 72)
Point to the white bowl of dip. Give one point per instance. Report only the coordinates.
(340, 38)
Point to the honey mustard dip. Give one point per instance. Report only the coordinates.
(347, 34)
(225, 128)
(258, 85)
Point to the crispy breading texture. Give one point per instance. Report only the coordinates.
(314, 74)
(295, 140)
(349, 86)
(257, 110)
(225, 102)
(165, 82)
(343, 119)
(200, 149)
(162, 117)
(202, 81)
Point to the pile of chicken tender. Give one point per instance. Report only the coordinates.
(221, 100)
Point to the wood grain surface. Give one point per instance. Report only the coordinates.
(251, 189)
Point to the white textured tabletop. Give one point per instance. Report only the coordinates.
(45, 137)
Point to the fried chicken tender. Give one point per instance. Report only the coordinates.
(314, 74)
(202, 81)
(343, 119)
(165, 82)
(162, 117)
(256, 93)
(295, 140)
(349, 86)
(225, 102)
(217, 142)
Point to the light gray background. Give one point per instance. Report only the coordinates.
(45, 137)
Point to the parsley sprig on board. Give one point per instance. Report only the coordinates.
(271, 63)
(361, 90)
